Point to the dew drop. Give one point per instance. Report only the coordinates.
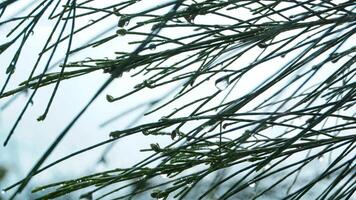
(143, 177)
(267, 167)
(225, 125)
(222, 82)
(262, 45)
(158, 194)
(174, 134)
(121, 32)
(61, 64)
(110, 98)
(190, 18)
(116, 12)
(309, 121)
(124, 21)
(152, 46)
(321, 159)
(335, 57)
(3, 192)
(334, 60)
(146, 132)
(87, 196)
(252, 185)
(155, 26)
(138, 85)
(41, 118)
(148, 83)
(11, 68)
(164, 176)
(189, 185)
(192, 13)
(112, 135)
(163, 119)
(155, 147)
(88, 59)
(91, 21)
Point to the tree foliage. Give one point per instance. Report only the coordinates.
(235, 138)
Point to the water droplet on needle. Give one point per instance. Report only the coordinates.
(222, 83)
(121, 32)
(152, 46)
(124, 21)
